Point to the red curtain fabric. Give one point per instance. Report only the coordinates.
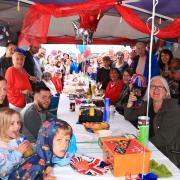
(37, 19)
(34, 28)
(172, 30)
(74, 9)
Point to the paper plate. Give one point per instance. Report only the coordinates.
(94, 126)
(89, 166)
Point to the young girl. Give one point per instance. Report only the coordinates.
(56, 144)
(10, 152)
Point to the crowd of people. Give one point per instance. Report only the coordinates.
(122, 77)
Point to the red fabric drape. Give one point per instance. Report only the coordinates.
(37, 19)
(92, 6)
(72, 40)
(172, 30)
(35, 28)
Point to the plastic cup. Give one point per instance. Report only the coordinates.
(29, 151)
(143, 130)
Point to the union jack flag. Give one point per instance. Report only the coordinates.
(92, 166)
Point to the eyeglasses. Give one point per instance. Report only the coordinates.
(153, 87)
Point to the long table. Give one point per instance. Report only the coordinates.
(88, 144)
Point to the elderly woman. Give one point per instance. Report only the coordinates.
(114, 86)
(3, 87)
(164, 118)
(17, 82)
(47, 80)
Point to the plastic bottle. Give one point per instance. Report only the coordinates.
(106, 115)
(29, 151)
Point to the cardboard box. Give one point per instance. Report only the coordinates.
(125, 155)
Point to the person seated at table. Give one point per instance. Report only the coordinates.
(174, 81)
(123, 99)
(102, 77)
(120, 64)
(3, 89)
(35, 113)
(57, 80)
(18, 85)
(56, 145)
(114, 87)
(164, 118)
(165, 58)
(47, 80)
(11, 154)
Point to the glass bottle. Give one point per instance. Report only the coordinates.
(89, 94)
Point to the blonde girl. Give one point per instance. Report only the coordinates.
(10, 152)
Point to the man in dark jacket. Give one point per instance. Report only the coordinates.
(29, 64)
(6, 60)
(103, 73)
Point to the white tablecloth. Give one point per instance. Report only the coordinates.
(88, 144)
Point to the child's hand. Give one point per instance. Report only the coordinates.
(23, 147)
(47, 174)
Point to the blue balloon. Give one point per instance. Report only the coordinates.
(168, 44)
(81, 48)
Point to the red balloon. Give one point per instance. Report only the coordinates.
(87, 52)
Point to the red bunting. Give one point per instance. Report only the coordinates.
(172, 30)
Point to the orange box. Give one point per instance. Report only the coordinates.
(125, 155)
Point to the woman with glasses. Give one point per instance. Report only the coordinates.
(164, 118)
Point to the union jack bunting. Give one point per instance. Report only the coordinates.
(89, 166)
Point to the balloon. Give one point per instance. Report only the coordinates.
(161, 43)
(81, 48)
(54, 53)
(87, 52)
(168, 44)
(79, 58)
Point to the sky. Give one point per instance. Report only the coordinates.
(72, 48)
